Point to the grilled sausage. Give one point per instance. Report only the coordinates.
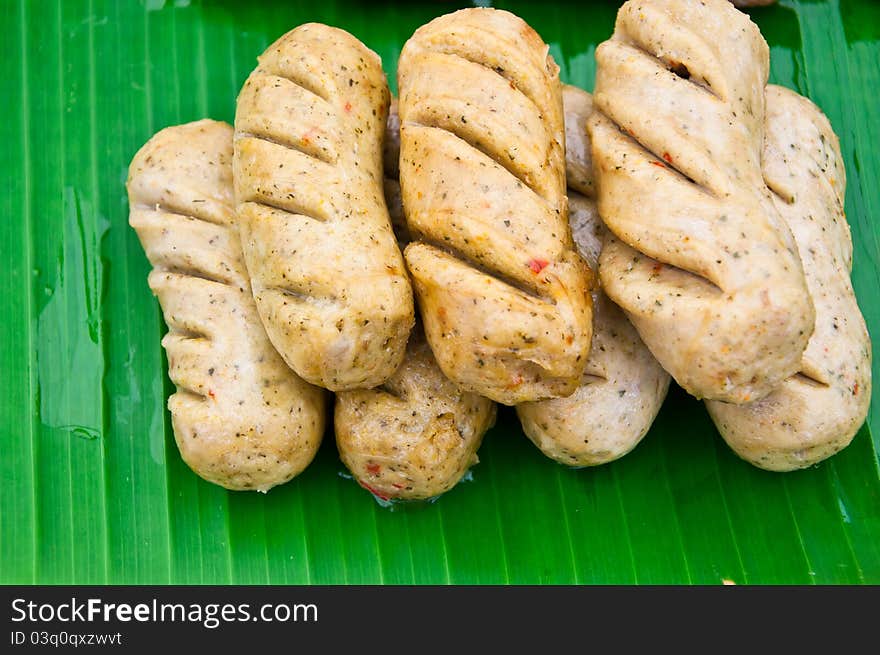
(503, 295)
(816, 412)
(328, 278)
(241, 418)
(702, 262)
(417, 435)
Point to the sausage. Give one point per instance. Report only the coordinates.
(701, 260)
(623, 386)
(503, 295)
(241, 418)
(816, 412)
(416, 436)
(328, 279)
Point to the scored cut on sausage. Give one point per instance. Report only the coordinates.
(816, 412)
(241, 418)
(328, 278)
(701, 261)
(623, 386)
(503, 295)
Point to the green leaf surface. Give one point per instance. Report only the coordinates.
(93, 488)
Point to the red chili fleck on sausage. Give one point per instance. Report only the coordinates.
(856, 389)
(375, 492)
(658, 163)
(667, 157)
(397, 486)
(347, 107)
(538, 265)
(373, 469)
(657, 268)
(211, 394)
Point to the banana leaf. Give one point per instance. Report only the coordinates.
(93, 487)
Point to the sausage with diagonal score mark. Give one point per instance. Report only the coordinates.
(816, 412)
(503, 295)
(328, 278)
(242, 419)
(701, 261)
